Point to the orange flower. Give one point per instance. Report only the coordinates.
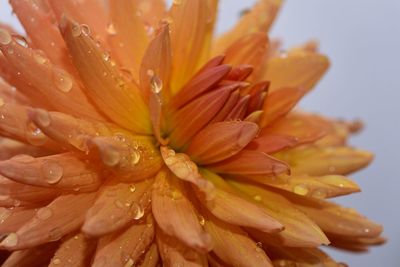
(133, 138)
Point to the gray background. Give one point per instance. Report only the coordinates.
(362, 38)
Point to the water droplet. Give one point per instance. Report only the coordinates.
(56, 261)
(85, 29)
(138, 211)
(34, 135)
(132, 188)
(52, 171)
(156, 84)
(23, 158)
(202, 221)
(319, 193)
(5, 37)
(76, 30)
(106, 56)
(1, 102)
(257, 198)
(111, 157)
(129, 263)
(55, 234)
(150, 72)
(44, 213)
(111, 29)
(43, 117)
(259, 246)
(135, 157)
(21, 41)
(118, 204)
(300, 190)
(62, 80)
(11, 240)
(332, 169)
(40, 58)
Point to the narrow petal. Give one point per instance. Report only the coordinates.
(181, 165)
(279, 103)
(356, 244)
(258, 19)
(128, 48)
(193, 117)
(231, 208)
(64, 215)
(75, 251)
(227, 108)
(221, 140)
(272, 143)
(189, 19)
(125, 248)
(63, 171)
(176, 215)
(11, 95)
(250, 50)
(248, 163)
(233, 246)
(13, 219)
(125, 202)
(325, 160)
(157, 61)
(300, 231)
(120, 100)
(55, 84)
(36, 256)
(238, 112)
(10, 148)
(240, 72)
(335, 219)
(172, 251)
(297, 70)
(151, 258)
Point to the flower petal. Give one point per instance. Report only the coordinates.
(13, 219)
(64, 215)
(279, 103)
(152, 11)
(172, 251)
(221, 140)
(295, 70)
(117, 205)
(272, 143)
(128, 48)
(227, 108)
(151, 257)
(258, 19)
(124, 249)
(63, 171)
(233, 246)
(238, 112)
(175, 214)
(120, 100)
(36, 256)
(248, 163)
(181, 165)
(75, 251)
(187, 44)
(231, 208)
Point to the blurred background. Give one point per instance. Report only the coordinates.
(362, 39)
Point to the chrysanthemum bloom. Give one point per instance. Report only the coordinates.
(133, 138)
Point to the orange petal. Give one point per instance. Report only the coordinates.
(227, 108)
(56, 85)
(298, 70)
(221, 140)
(152, 11)
(300, 231)
(75, 251)
(356, 244)
(250, 49)
(89, 12)
(193, 117)
(258, 19)
(202, 82)
(233, 246)
(317, 161)
(318, 187)
(279, 103)
(189, 19)
(181, 165)
(120, 100)
(248, 163)
(10, 148)
(175, 214)
(128, 48)
(64, 171)
(240, 72)
(231, 208)
(42, 30)
(64, 215)
(121, 200)
(173, 252)
(238, 112)
(13, 219)
(335, 219)
(157, 63)
(11, 95)
(37, 256)
(151, 258)
(126, 248)
(272, 143)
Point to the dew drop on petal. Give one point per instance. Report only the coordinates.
(56, 261)
(34, 135)
(132, 188)
(21, 40)
(1, 102)
(62, 81)
(40, 58)
(111, 29)
(11, 240)
(202, 221)
(156, 84)
(5, 37)
(129, 263)
(257, 198)
(319, 193)
(138, 211)
(118, 204)
(135, 157)
(106, 56)
(76, 30)
(300, 190)
(111, 157)
(85, 29)
(44, 213)
(52, 171)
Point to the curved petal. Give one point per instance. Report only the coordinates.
(31, 257)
